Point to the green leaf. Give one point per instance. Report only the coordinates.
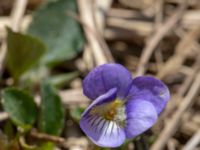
(46, 146)
(20, 106)
(76, 113)
(33, 77)
(52, 111)
(61, 79)
(61, 33)
(9, 129)
(23, 52)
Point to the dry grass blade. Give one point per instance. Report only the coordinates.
(101, 7)
(18, 13)
(85, 8)
(142, 28)
(3, 116)
(193, 142)
(155, 39)
(182, 90)
(159, 13)
(183, 50)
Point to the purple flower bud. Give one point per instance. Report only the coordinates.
(122, 107)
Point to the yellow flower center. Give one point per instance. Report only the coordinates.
(112, 111)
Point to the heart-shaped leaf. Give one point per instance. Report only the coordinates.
(52, 112)
(20, 106)
(60, 32)
(23, 52)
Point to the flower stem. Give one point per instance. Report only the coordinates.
(141, 143)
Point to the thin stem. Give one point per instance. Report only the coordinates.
(141, 143)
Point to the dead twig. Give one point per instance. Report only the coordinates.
(189, 79)
(85, 9)
(142, 28)
(183, 50)
(17, 14)
(65, 143)
(159, 13)
(171, 144)
(193, 142)
(101, 8)
(3, 116)
(155, 39)
(124, 14)
(47, 137)
(182, 91)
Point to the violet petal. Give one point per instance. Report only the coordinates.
(141, 115)
(102, 132)
(107, 76)
(150, 89)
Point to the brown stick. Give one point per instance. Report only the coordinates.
(182, 91)
(65, 143)
(159, 13)
(17, 14)
(142, 28)
(155, 39)
(46, 137)
(85, 9)
(193, 142)
(3, 116)
(183, 49)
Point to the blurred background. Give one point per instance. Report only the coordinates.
(47, 47)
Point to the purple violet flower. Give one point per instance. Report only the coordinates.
(122, 107)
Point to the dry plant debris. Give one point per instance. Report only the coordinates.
(149, 37)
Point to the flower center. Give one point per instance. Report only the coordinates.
(112, 111)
